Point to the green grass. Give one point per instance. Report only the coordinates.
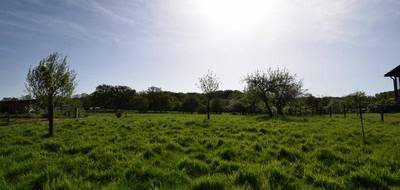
(174, 151)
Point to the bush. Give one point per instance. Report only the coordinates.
(118, 114)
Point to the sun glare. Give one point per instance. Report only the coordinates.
(235, 16)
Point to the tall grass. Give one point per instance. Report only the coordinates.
(174, 151)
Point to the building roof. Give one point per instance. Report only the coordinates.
(17, 102)
(394, 73)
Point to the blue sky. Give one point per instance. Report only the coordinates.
(336, 47)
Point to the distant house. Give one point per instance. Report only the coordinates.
(395, 76)
(14, 106)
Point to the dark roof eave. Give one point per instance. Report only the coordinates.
(394, 72)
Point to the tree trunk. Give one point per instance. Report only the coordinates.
(50, 115)
(279, 109)
(208, 108)
(265, 100)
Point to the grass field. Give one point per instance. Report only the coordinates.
(176, 151)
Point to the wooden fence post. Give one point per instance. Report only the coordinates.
(8, 118)
(330, 111)
(344, 111)
(8, 115)
(362, 122)
(76, 113)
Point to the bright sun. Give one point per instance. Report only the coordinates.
(234, 16)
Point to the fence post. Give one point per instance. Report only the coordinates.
(362, 122)
(382, 114)
(76, 113)
(8, 115)
(8, 118)
(344, 111)
(330, 111)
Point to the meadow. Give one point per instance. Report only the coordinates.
(184, 151)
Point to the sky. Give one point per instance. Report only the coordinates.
(335, 47)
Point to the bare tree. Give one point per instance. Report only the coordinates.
(359, 99)
(209, 84)
(275, 86)
(51, 79)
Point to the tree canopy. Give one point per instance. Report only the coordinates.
(51, 79)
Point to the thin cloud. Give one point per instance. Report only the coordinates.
(112, 14)
(99, 8)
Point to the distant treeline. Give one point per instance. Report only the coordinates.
(154, 99)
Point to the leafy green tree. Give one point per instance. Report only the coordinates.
(51, 79)
(384, 100)
(140, 103)
(209, 84)
(190, 104)
(217, 106)
(158, 100)
(112, 97)
(275, 86)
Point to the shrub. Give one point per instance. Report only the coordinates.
(118, 114)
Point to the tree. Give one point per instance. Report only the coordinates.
(51, 79)
(359, 98)
(158, 99)
(140, 103)
(190, 104)
(209, 84)
(217, 106)
(275, 86)
(113, 97)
